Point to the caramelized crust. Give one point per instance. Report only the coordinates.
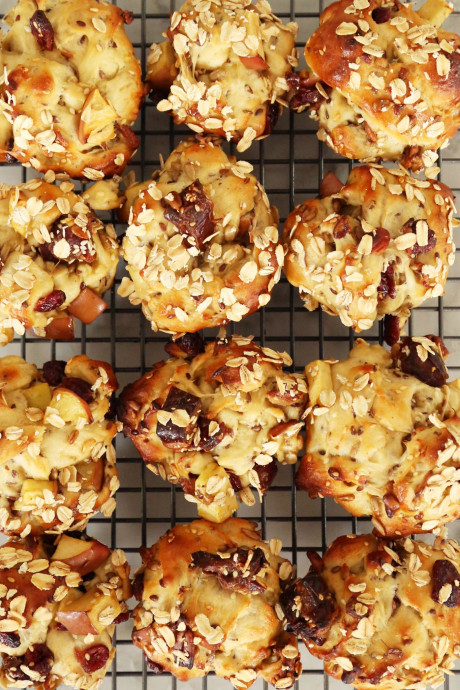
(53, 251)
(393, 616)
(44, 588)
(214, 421)
(208, 601)
(382, 244)
(202, 245)
(383, 436)
(389, 80)
(57, 462)
(71, 90)
(223, 69)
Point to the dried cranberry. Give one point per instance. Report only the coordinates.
(53, 371)
(273, 113)
(190, 344)
(80, 243)
(50, 302)
(445, 573)
(380, 240)
(381, 15)
(10, 639)
(387, 287)
(391, 329)
(92, 658)
(42, 30)
(431, 370)
(267, 474)
(122, 618)
(416, 249)
(79, 387)
(40, 659)
(192, 213)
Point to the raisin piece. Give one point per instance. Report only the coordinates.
(185, 644)
(381, 15)
(92, 658)
(305, 93)
(235, 481)
(138, 586)
(153, 666)
(42, 30)
(79, 387)
(191, 345)
(317, 611)
(191, 213)
(50, 302)
(445, 573)
(121, 618)
(53, 371)
(238, 572)
(77, 245)
(431, 370)
(266, 474)
(171, 435)
(380, 240)
(387, 287)
(10, 639)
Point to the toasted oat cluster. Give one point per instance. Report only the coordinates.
(374, 247)
(383, 80)
(383, 435)
(57, 462)
(223, 68)
(202, 245)
(214, 419)
(209, 601)
(381, 614)
(56, 257)
(70, 89)
(59, 604)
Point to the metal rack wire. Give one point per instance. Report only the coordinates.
(290, 164)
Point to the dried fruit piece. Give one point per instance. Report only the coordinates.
(87, 306)
(93, 658)
(266, 474)
(330, 184)
(50, 302)
(446, 575)
(190, 345)
(42, 30)
(79, 387)
(426, 363)
(237, 572)
(387, 287)
(53, 371)
(172, 435)
(192, 213)
(380, 240)
(69, 242)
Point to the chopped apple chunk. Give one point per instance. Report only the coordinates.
(222, 508)
(96, 120)
(33, 489)
(89, 613)
(82, 556)
(435, 11)
(70, 406)
(39, 396)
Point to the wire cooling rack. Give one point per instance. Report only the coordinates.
(290, 164)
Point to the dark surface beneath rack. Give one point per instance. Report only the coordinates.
(290, 164)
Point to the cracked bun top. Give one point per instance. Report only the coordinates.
(223, 68)
(71, 88)
(383, 435)
(208, 601)
(388, 80)
(202, 245)
(56, 257)
(59, 603)
(57, 462)
(379, 245)
(381, 614)
(215, 419)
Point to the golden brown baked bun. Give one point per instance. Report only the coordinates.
(382, 614)
(57, 462)
(60, 603)
(383, 80)
(379, 245)
(223, 68)
(214, 419)
(208, 601)
(202, 245)
(56, 257)
(71, 89)
(383, 435)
